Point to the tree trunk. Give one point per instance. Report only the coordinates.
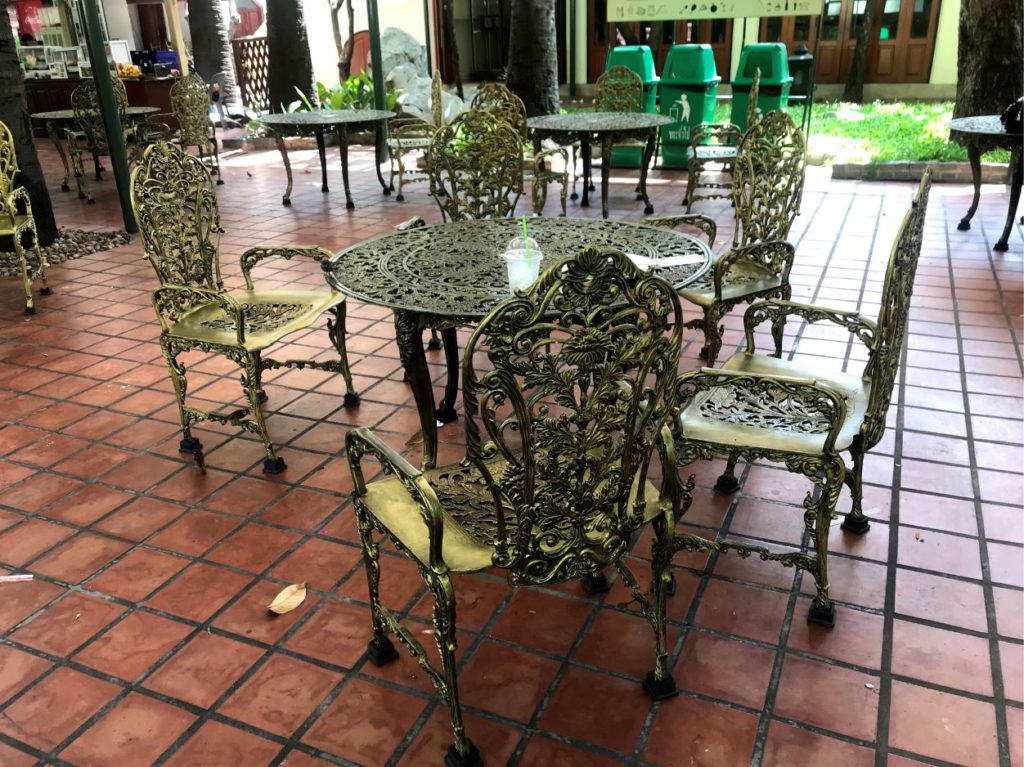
(533, 56)
(854, 89)
(290, 63)
(14, 112)
(208, 23)
(344, 47)
(448, 29)
(989, 58)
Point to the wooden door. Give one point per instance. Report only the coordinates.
(904, 38)
(790, 30)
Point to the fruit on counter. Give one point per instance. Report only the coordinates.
(128, 70)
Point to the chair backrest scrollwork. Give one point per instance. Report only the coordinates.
(768, 179)
(753, 113)
(436, 99)
(620, 89)
(8, 162)
(580, 376)
(476, 167)
(497, 99)
(175, 206)
(85, 103)
(190, 100)
(891, 330)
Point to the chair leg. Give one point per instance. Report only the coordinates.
(823, 611)
(434, 344)
(659, 683)
(855, 522)
(45, 290)
(336, 331)
(380, 650)
(251, 370)
(188, 444)
(462, 753)
(727, 482)
(539, 192)
(692, 177)
(30, 307)
(574, 196)
(565, 189)
(712, 336)
(216, 160)
(79, 166)
(779, 323)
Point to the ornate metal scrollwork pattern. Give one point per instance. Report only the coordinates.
(620, 89)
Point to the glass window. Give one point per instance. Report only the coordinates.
(921, 19)
(830, 22)
(601, 21)
(890, 20)
(773, 29)
(801, 28)
(858, 14)
(718, 30)
(692, 31)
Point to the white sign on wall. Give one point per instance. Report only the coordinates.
(644, 10)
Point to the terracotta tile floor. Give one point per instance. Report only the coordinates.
(144, 637)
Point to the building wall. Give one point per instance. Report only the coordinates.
(947, 44)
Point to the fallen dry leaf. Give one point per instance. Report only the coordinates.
(288, 599)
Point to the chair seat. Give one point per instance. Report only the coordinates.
(7, 227)
(734, 415)
(714, 152)
(269, 316)
(468, 514)
(409, 143)
(743, 280)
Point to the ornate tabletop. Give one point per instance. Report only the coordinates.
(62, 115)
(454, 270)
(597, 122)
(980, 134)
(451, 275)
(317, 122)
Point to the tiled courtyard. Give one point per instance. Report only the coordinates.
(144, 636)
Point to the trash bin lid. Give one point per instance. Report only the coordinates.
(635, 57)
(772, 60)
(689, 64)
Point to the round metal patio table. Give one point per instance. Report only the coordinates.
(451, 275)
(608, 128)
(63, 118)
(340, 122)
(983, 134)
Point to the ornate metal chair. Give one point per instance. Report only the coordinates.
(190, 100)
(16, 220)
(580, 374)
(717, 144)
(476, 167)
(497, 99)
(176, 207)
(620, 89)
(409, 140)
(789, 412)
(768, 181)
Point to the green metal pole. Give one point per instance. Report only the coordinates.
(108, 110)
(426, 36)
(373, 22)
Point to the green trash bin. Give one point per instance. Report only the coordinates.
(639, 59)
(688, 92)
(773, 92)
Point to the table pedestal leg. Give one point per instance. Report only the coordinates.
(1018, 169)
(322, 151)
(646, 162)
(378, 143)
(585, 151)
(51, 131)
(446, 411)
(343, 148)
(606, 169)
(97, 166)
(409, 335)
(975, 157)
(287, 198)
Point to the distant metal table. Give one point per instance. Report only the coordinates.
(608, 128)
(338, 121)
(450, 276)
(980, 135)
(64, 118)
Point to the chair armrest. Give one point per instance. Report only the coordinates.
(761, 311)
(543, 154)
(776, 256)
(362, 441)
(173, 300)
(253, 256)
(804, 397)
(679, 495)
(723, 133)
(11, 201)
(705, 224)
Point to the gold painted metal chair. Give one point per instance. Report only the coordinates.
(620, 89)
(190, 101)
(17, 222)
(476, 167)
(794, 413)
(497, 99)
(572, 406)
(409, 140)
(717, 143)
(176, 208)
(89, 136)
(768, 181)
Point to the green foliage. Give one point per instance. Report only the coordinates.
(355, 93)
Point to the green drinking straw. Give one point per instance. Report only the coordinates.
(526, 240)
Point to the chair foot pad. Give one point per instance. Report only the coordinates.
(472, 759)
(47, 291)
(190, 445)
(434, 344)
(595, 584)
(822, 616)
(727, 484)
(660, 689)
(351, 399)
(858, 525)
(30, 310)
(381, 651)
(274, 465)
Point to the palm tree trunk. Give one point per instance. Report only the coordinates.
(448, 30)
(533, 56)
(854, 88)
(989, 56)
(14, 112)
(208, 24)
(290, 63)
